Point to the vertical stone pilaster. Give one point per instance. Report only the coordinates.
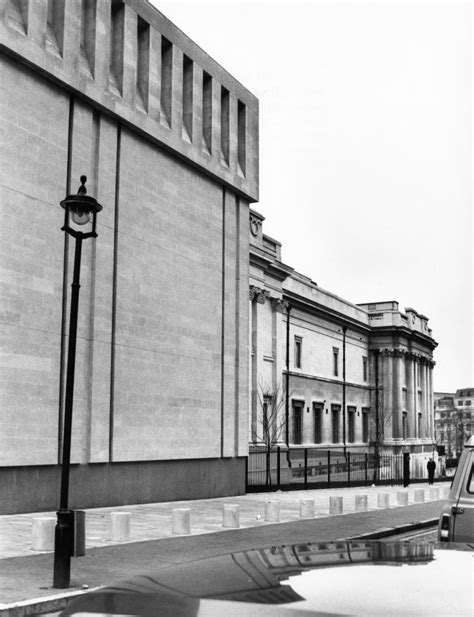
(397, 394)
(387, 407)
(257, 298)
(410, 396)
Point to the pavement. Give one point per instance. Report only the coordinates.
(26, 574)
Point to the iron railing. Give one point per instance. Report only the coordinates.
(315, 468)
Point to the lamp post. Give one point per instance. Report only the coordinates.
(79, 210)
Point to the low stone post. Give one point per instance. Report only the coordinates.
(181, 521)
(335, 505)
(445, 491)
(272, 511)
(402, 498)
(360, 503)
(120, 526)
(433, 493)
(231, 515)
(383, 500)
(419, 495)
(306, 508)
(42, 533)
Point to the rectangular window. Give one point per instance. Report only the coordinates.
(166, 80)
(207, 110)
(117, 45)
(335, 413)
(404, 398)
(241, 136)
(297, 423)
(364, 368)
(351, 412)
(318, 423)
(298, 351)
(365, 425)
(143, 60)
(335, 361)
(404, 425)
(225, 126)
(188, 83)
(419, 424)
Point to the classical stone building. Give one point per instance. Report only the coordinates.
(453, 415)
(168, 140)
(371, 361)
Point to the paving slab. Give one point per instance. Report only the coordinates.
(26, 575)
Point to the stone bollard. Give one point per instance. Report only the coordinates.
(433, 493)
(42, 533)
(383, 500)
(419, 495)
(402, 498)
(360, 503)
(306, 508)
(120, 526)
(272, 511)
(231, 515)
(335, 505)
(181, 521)
(445, 491)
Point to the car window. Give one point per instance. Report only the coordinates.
(470, 481)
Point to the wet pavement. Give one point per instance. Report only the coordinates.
(26, 575)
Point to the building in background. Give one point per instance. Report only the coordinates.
(169, 142)
(320, 355)
(453, 413)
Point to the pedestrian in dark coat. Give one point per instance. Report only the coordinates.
(431, 466)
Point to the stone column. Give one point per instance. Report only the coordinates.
(430, 398)
(279, 316)
(397, 394)
(257, 297)
(387, 407)
(411, 393)
(425, 399)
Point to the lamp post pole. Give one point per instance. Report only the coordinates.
(81, 209)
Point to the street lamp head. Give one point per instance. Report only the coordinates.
(82, 209)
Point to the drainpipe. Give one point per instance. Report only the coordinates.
(344, 330)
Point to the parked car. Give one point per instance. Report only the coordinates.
(456, 523)
(332, 579)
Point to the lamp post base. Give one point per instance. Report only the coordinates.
(63, 548)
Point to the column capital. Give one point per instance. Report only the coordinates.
(280, 305)
(259, 294)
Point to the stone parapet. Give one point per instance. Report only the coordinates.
(126, 58)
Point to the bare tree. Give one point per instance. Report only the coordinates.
(270, 421)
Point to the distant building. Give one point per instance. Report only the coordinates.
(454, 415)
(359, 376)
(169, 143)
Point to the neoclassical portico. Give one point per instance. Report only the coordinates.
(406, 397)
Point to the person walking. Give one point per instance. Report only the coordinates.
(431, 466)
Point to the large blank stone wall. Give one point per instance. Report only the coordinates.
(166, 278)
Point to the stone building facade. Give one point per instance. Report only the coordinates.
(453, 417)
(169, 142)
(371, 360)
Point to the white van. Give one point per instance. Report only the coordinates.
(456, 523)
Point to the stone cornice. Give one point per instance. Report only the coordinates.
(407, 354)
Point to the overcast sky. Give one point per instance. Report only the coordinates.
(365, 147)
